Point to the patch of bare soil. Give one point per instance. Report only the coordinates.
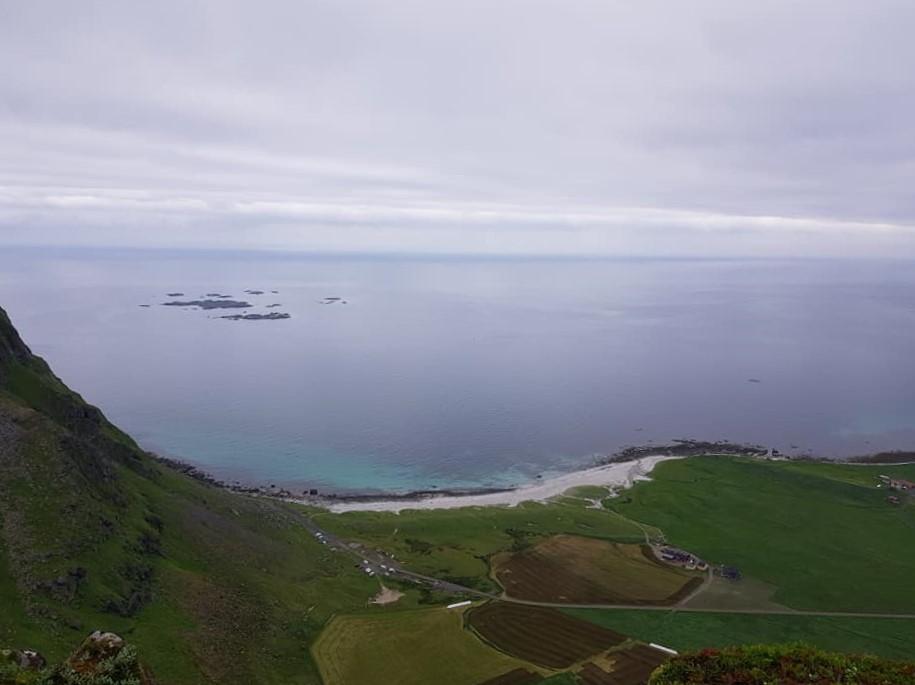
(386, 596)
(746, 593)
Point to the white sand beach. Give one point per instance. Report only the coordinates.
(618, 474)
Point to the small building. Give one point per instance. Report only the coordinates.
(729, 572)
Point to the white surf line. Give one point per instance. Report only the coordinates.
(622, 474)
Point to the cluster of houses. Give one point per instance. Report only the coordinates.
(679, 557)
(691, 562)
(897, 484)
(728, 572)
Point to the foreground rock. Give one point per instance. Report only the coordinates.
(22, 660)
(102, 659)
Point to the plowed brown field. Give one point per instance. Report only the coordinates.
(540, 635)
(567, 568)
(519, 676)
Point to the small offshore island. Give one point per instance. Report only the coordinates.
(212, 301)
(272, 316)
(210, 304)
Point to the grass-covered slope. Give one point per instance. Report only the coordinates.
(823, 535)
(94, 533)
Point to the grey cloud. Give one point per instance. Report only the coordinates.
(514, 127)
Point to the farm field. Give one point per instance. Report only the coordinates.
(746, 594)
(567, 568)
(414, 647)
(455, 544)
(541, 635)
(822, 534)
(890, 638)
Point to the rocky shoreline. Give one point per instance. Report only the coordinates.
(314, 493)
(691, 448)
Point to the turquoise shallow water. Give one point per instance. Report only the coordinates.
(472, 373)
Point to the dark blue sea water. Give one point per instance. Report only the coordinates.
(461, 372)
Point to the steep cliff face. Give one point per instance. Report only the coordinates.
(11, 346)
(64, 503)
(27, 380)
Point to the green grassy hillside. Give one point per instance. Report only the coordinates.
(94, 533)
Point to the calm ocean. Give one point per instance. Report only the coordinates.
(459, 372)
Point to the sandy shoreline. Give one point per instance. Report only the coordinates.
(622, 474)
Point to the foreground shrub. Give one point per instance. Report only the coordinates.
(102, 659)
(781, 665)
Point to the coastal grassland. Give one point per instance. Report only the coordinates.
(822, 534)
(592, 492)
(570, 568)
(855, 474)
(413, 647)
(892, 638)
(456, 544)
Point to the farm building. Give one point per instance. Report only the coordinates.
(728, 572)
(678, 557)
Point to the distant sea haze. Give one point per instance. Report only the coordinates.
(462, 373)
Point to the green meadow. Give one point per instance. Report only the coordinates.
(822, 534)
(683, 631)
(456, 543)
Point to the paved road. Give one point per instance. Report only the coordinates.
(374, 560)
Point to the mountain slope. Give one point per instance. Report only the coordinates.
(95, 533)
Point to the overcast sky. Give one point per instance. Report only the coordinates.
(648, 128)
